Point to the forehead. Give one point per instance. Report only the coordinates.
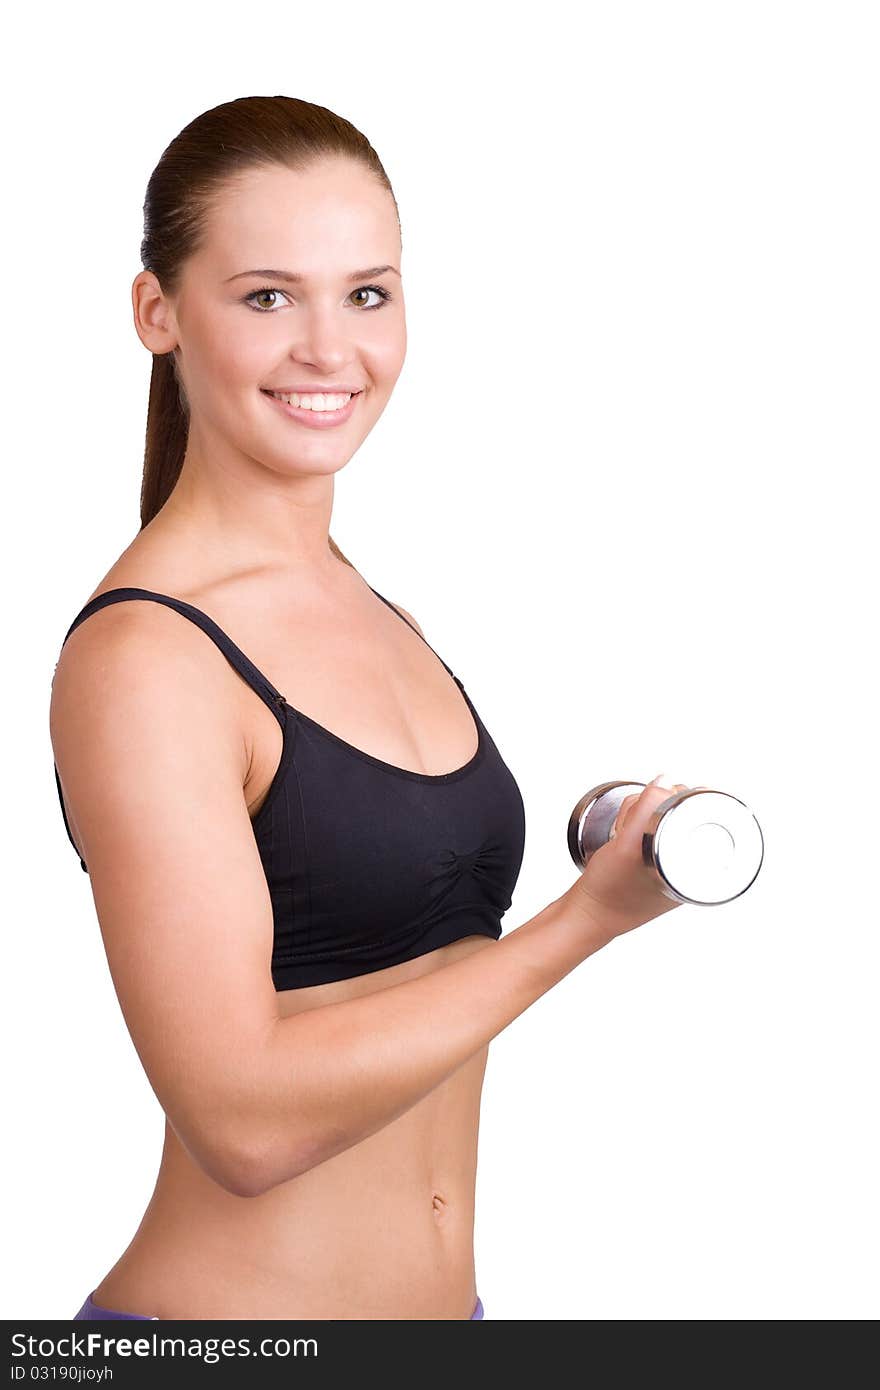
(335, 211)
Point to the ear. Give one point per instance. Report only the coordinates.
(154, 318)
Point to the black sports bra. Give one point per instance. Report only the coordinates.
(368, 864)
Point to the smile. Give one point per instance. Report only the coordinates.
(320, 411)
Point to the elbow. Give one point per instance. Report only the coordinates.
(250, 1173)
(248, 1153)
(239, 1165)
(241, 1175)
(252, 1169)
(245, 1167)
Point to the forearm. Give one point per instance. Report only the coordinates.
(332, 1076)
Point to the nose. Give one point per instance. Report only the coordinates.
(324, 340)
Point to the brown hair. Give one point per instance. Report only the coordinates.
(229, 139)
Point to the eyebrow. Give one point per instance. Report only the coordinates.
(295, 279)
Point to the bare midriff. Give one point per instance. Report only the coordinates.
(382, 1230)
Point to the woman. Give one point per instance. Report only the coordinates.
(299, 893)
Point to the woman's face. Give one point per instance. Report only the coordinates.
(242, 334)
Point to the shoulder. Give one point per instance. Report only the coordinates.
(410, 619)
(134, 643)
(141, 720)
(138, 669)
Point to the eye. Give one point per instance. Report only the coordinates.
(383, 294)
(373, 289)
(262, 309)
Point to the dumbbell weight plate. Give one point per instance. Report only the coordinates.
(706, 846)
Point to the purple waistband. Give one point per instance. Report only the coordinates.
(93, 1312)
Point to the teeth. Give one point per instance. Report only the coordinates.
(314, 402)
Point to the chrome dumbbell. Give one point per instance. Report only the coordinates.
(706, 846)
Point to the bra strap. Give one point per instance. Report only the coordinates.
(396, 610)
(236, 657)
(82, 862)
(242, 664)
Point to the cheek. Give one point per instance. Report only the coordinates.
(231, 352)
(386, 357)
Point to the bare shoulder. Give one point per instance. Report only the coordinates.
(131, 654)
(410, 619)
(133, 682)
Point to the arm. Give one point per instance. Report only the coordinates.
(334, 1075)
(151, 755)
(150, 749)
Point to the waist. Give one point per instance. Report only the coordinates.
(382, 1230)
(405, 1257)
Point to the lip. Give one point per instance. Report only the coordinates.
(315, 419)
(313, 390)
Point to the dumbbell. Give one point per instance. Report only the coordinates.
(705, 846)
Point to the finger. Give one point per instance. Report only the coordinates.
(623, 811)
(636, 810)
(663, 780)
(639, 814)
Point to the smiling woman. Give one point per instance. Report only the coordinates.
(300, 894)
(206, 271)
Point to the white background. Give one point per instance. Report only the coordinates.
(626, 485)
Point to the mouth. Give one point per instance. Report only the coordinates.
(341, 408)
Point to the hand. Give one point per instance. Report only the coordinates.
(617, 888)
